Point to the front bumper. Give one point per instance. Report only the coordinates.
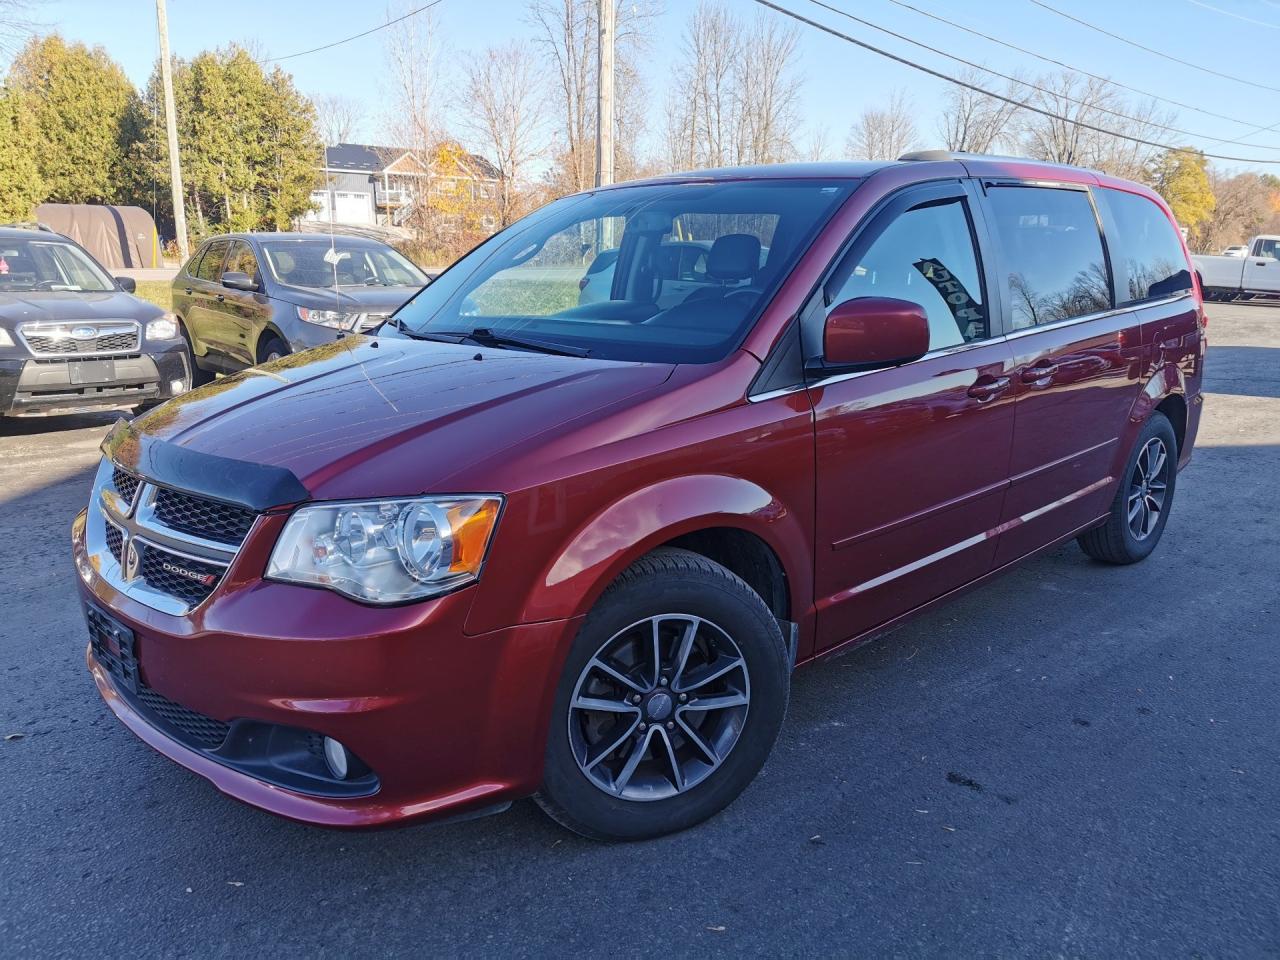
(32, 386)
(449, 724)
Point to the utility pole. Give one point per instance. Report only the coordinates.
(604, 98)
(171, 125)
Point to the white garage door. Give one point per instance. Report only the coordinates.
(352, 208)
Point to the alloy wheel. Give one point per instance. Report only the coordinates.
(659, 707)
(1148, 488)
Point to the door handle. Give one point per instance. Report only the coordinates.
(1041, 371)
(1259, 263)
(220, 298)
(187, 290)
(989, 388)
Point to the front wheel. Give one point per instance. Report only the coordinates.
(1142, 503)
(671, 700)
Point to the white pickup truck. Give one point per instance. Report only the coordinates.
(1257, 274)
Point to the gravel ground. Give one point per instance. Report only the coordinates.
(1073, 761)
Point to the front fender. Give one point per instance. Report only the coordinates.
(618, 535)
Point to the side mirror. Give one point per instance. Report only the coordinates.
(127, 284)
(874, 332)
(235, 280)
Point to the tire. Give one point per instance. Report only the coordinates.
(1124, 538)
(696, 758)
(198, 377)
(273, 348)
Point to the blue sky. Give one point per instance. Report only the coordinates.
(1239, 37)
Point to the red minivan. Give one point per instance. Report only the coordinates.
(514, 544)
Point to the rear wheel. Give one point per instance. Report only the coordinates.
(671, 700)
(1143, 500)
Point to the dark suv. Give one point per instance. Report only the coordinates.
(247, 298)
(73, 338)
(519, 545)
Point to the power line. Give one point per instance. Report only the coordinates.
(1151, 50)
(985, 92)
(338, 43)
(1253, 127)
(1020, 82)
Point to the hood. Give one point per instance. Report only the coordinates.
(362, 417)
(347, 299)
(63, 305)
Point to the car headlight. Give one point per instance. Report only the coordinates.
(163, 327)
(5, 339)
(387, 551)
(337, 319)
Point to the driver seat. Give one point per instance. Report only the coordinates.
(732, 258)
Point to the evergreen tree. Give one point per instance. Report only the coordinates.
(21, 188)
(81, 108)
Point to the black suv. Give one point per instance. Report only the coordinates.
(247, 298)
(73, 338)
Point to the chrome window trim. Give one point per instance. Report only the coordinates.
(105, 328)
(962, 347)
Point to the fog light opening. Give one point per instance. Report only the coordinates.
(336, 758)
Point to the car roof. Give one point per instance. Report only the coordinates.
(288, 235)
(29, 233)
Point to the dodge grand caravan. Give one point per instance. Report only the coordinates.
(515, 545)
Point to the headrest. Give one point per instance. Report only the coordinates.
(735, 256)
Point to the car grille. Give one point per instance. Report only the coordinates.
(122, 342)
(168, 549)
(370, 321)
(194, 727)
(200, 517)
(161, 570)
(126, 484)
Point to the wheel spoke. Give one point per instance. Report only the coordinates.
(613, 746)
(633, 761)
(603, 667)
(1156, 464)
(696, 739)
(657, 651)
(677, 777)
(719, 702)
(714, 674)
(1135, 507)
(682, 655)
(604, 706)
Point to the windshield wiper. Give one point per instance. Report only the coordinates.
(485, 337)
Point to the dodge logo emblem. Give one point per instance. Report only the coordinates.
(131, 562)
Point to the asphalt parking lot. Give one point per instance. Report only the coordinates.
(1074, 761)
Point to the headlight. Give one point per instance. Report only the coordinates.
(387, 551)
(5, 339)
(330, 318)
(164, 327)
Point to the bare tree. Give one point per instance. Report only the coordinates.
(1076, 109)
(884, 133)
(16, 25)
(1245, 205)
(504, 100)
(338, 118)
(567, 33)
(973, 122)
(736, 91)
(819, 144)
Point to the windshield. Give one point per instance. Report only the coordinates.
(49, 265)
(343, 263)
(663, 273)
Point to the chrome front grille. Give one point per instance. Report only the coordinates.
(81, 338)
(165, 548)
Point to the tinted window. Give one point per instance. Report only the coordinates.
(1146, 252)
(211, 263)
(1053, 262)
(241, 260)
(925, 255)
(341, 262)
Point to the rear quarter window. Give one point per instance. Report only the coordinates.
(1146, 253)
(1051, 254)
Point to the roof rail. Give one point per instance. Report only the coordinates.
(28, 225)
(930, 155)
